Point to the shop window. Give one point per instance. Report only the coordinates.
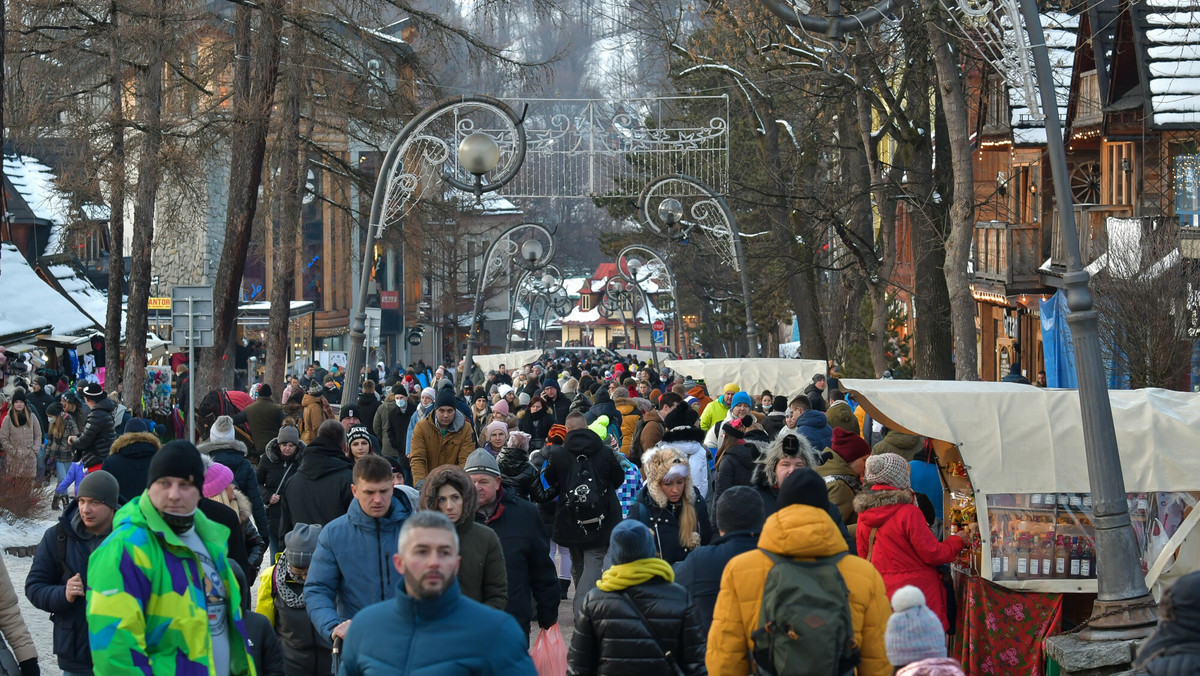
(1119, 165)
(1023, 191)
(1089, 98)
(586, 302)
(1187, 190)
(997, 105)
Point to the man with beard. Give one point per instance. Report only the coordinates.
(429, 625)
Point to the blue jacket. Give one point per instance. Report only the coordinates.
(352, 566)
(450, 634)
(700, 573)
(814, 426)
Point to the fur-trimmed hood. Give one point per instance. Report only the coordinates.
(870, 499)
(210, 447)
(764, 468)
(655, 464)
(271, 452)
(127, 440)
(461, 481)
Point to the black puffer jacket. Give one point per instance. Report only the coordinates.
(320, 492)
(663, 522)
(610, 637)
(129, 461)
(306, 651)
(274, 473)
(96, 438)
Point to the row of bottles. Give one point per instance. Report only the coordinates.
(1042, 556)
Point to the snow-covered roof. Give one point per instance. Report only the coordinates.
(1060, 30)
(490, 203)
(577, 316)
(35, 183)
(91, 300)
(1172, 59)
(574, 285)
(33, 303)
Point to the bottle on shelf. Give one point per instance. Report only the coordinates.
(1073, 558)
(1035, 558)
(1086, 560)
(1008, 563)
(997, 558)
(1060, 558)
(1047, 554)
(1076, 502)
(1022, 556)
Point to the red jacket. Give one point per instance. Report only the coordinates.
(905, 551)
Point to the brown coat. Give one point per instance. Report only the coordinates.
(314, 415)
(652, 431)
(21, 443)
(433, 447)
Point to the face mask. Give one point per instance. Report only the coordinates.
(402, 403)
(180, 524)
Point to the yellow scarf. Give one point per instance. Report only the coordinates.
(625, 575)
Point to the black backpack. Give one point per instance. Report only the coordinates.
(587, 495)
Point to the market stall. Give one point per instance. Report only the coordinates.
(511, 360)
(784, 377)
(1012, 460)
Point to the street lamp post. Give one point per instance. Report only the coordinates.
(413, 163)
(508, 248)
(1124, 607)
(712, 215)
(629, 265)
(550, 283)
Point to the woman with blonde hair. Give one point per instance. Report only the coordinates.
(670, 505)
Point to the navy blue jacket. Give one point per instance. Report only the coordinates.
(46, 585)
(814, 426)
(352, 566)
(700, 572)
(450, 634)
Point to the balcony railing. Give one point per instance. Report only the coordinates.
(1007, 253)
(1091, 222)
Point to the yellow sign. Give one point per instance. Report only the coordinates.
(155, 303)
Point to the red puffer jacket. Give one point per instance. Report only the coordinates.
(905, 550)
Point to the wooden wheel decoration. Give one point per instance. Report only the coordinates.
(1085, 183)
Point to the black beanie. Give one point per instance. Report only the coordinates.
(445, 397)
(739, 508)
(178, 459)
(803, 487)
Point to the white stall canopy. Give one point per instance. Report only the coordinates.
(783, 377)
(511, 360)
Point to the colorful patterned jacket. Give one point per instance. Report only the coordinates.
(146, 608)
(627, 492)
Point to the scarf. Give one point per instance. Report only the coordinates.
(283, 575)
(626, 575)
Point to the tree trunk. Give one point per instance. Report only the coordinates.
(285, 235)
(253, 100)
(885, 242)
(149, 114)
(962, 207)
(116, 218)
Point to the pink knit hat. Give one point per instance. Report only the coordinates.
(493, 426)
(500, 407)
(216, 478)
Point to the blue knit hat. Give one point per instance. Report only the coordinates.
(914, 632)
(631, 540)
(741, 398)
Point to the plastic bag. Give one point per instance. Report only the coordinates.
(550, 652)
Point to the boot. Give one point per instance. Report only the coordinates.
(60, 501)
(565, 585)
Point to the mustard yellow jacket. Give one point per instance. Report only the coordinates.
(806, 533)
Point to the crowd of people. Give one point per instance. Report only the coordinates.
(700, 530)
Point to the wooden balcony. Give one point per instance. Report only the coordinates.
(1091, 222)
(1007, 256)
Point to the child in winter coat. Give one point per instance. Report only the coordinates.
(60, 427)
(75, 474)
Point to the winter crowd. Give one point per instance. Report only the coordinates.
(424, 530)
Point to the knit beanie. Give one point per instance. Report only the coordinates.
(216, 479)
(914, 632)
(482, 462)
(494, 426)
(729, 387)
(557, 434)
(849, 445)
(445, 397)
(222, 430)
(779, 404)
(300, 544)
(178, 459)
(888, 469)
(18, 395)
(500, 407)
(315, 389)
(630, 541)
(600, 427)
(288, 435)
(739, 508)
(803, 487)
(523, 398)
(359, 432)
(741, 398)
(136, 425)
(102, 486)
(264, 390)
(350, 411)
(429, 392)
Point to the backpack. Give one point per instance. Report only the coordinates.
(805, 604)
(587, 497)
(635, 446)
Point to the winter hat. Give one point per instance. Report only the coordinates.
(803, 487)
(518, 440)
(315, 389)
(600, 427)
(741, 398)
(222, 430)
(914, 632)
(729, 387)
(216, 479)
(359, 432)
(734, 429)
(482, 462)
(840, 415)
(550, 382)
(500, 407)
(350, 411)
(94, 391)
(779, 404)
(136, 425)
(478, 393)
(288, 435)
(630, 541)
(429, 392)
(504, 389)
(557, 434)
(264, 390)
(18, 395)
(178, 459)
(102, 486)
(523, 398)
(445, 397)
(300, 544)
(888, 469)
(739, 508)
(493, 426)
(849, 445)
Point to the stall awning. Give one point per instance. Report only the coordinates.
(784, 377)
(81, 344)
(256, 314)
(489, 362)
(1022, 439)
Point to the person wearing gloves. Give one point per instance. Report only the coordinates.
(58, 586)
(916, 644)
(636, 620)
(275, 469)
(306, 651)
(670, 505)
(893, 536)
